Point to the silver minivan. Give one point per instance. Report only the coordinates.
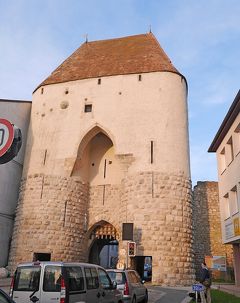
(62, 282)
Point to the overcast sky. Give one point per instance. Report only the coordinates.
(202, 39)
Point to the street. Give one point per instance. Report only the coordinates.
(158, 294)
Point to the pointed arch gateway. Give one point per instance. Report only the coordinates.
(103, 248)
(96, 162)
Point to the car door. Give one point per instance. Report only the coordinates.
(141, 287)
(51, 286)
(93, 293)
(136, 287)
(26, 284)
(106, 288)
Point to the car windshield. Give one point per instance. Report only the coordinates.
(118, 277)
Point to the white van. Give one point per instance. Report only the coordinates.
(62, 282)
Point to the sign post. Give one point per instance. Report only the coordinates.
(6, 136)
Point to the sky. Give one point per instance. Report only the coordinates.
(201, 37)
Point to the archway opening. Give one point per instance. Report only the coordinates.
(104, 247)
(96, 162)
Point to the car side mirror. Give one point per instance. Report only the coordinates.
(114, 285)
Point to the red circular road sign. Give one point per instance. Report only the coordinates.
(6, 136)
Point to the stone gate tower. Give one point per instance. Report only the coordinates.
(107, 144)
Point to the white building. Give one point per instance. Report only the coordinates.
(18, 113)
(227, 146)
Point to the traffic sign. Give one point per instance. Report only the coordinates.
(6, 136)
(197, 287)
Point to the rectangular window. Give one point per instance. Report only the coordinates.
(226, 208)
(222, 160)
(88, 108)
(234, 201)
(237, 140)
(52, 279)
(229, 151)
(75, 278)
(27, 278)
(91, 278)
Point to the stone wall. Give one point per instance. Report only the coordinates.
(207, 228)
(160, 207)
(54, 216)
(50, 218)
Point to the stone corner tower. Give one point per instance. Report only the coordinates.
(108, 144)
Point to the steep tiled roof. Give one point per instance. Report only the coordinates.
(127, 55)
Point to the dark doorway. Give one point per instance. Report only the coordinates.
(41, 257)
(143, 265)
(104, 252)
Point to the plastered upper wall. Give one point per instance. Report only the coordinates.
(132, 113)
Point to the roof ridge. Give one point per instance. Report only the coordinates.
(117, 38)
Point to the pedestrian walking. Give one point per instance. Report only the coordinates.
(205, 280)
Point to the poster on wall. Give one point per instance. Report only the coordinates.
(216, 262)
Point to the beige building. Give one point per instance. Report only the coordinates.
(18, 113)
(226, 144)
(107, 145)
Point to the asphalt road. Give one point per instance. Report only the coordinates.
(159, 294)
(156, 294)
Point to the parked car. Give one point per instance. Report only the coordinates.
(4, 298)
(63, 282)
(130, 284)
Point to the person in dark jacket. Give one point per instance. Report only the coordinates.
(205, 280)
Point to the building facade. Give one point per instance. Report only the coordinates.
(226, 144)
(18, 113)
(107, 145)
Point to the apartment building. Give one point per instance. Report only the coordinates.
(226, 144)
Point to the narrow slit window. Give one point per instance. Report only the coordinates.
(42, 90)
(139, 77)
(151, 152)
(99, 81)
(88, 108)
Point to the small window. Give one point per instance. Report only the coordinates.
(99, 81)
(230, 154)
(75, 278)
(91, 278)
(27, 278)
(139, 77)
(42, 90)
(222, 160)
(237, 139)
(88, 108)
(52, 279)
(104, 279)
(234, 200)
(226, 208)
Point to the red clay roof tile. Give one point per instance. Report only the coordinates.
(127, 55)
